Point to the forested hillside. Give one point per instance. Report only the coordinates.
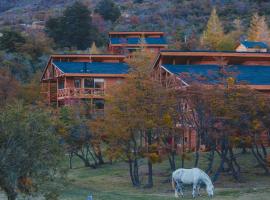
(165, 15)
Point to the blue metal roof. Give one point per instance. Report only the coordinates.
(250, 74)
(160, 40)
(251, 44)
(92, 68)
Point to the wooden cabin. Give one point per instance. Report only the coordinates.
(127, 42)
(179, 68)
(251, 46)
(73, 78)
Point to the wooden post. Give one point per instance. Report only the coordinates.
(57, 92)
(49, 92)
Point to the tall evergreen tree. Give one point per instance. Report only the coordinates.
(11, 40)
(108, 10)
(94, 49)
(74, 28)
(213, 33)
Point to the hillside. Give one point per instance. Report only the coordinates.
(166, 15)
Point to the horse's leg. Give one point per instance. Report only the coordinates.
(176, 193)
(194, 190)
(181, 190)
(198, 189)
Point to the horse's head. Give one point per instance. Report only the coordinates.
(210, 190)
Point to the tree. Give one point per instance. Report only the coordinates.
(11, 40)
(94, 49)
(214, 32)
(74, 28)
(140, 119)
(8, 87)
(134, 117)
(80, 140)
(258, 30)
(108, 10)
(30, 151)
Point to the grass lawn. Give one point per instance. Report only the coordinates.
(111, 182)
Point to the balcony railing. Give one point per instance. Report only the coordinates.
(80, 92)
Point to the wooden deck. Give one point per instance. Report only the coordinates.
(80, 93)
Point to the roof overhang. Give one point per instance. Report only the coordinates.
(79, 56)
(95, 75)
(136, 32)
(139, 45)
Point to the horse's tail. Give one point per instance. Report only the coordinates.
(173, 183)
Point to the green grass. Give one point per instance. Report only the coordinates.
(111, 182)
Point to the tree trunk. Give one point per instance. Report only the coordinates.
(172, 161)
(11, 194)
(232, 162)
(85, 161)
(136, 172)
(98, 154)
(211, 160)
(197, 155)
(223, 155)
(131, 172)
(70, 155)
(262, 164)
(149, 164)
(150, 174)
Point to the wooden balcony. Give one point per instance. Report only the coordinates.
(80, 93)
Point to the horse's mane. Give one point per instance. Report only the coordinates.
(206, 175)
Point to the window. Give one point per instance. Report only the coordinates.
(89, 83)
(77, 83)
(99, 83)
(99, 104)
(61, 84)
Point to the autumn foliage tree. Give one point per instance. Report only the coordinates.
(258, 30)
(138, 117)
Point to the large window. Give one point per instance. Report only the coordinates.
(99, 83)
(94, 83)
(77, 83)
(88, 83)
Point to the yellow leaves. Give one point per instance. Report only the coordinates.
(167, 120)
(230, 81)
(153, 157)
(256, 124)
(240, 141)
(62, 132)
(258, 30)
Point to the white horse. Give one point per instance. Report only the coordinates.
(193, 176)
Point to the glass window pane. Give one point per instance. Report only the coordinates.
(89, 83)
(61, 85)
(77, 83)
(99, 83)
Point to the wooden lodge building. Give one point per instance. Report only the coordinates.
(69, 79)
(127, 42)
(74, 78)
(252, 69)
